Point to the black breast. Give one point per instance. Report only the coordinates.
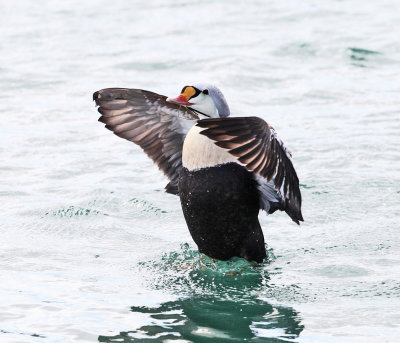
(221, 205)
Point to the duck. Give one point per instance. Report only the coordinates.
(224, 169)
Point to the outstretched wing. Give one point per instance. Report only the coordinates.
(147, 119)
(257, 146)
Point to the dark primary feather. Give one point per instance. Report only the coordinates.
(147, 119)
(257, 146)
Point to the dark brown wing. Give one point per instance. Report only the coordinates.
(147, 119)
(259, 149)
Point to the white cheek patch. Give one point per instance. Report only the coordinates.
(205, 104)
(201, 152)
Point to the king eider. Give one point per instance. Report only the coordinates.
(223, 169)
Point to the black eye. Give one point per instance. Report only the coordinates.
(205, 91)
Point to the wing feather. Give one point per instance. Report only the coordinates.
(259, 149)
(147, 119)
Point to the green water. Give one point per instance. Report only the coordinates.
(218, 302)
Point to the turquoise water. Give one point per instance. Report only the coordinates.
(92, 249)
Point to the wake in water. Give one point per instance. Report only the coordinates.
(217, 301)
(188, 271)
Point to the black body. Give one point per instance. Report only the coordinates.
(221, 205)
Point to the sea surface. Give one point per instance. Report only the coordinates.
(92, 249)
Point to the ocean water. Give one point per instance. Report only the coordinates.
(92, 249)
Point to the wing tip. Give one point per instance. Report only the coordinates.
(294, 212)
(296, 217)
(297, 221)
(96, 95)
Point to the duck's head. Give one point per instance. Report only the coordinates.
(205, 99)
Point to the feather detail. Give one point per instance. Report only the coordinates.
(147, 119)
(256, 145)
